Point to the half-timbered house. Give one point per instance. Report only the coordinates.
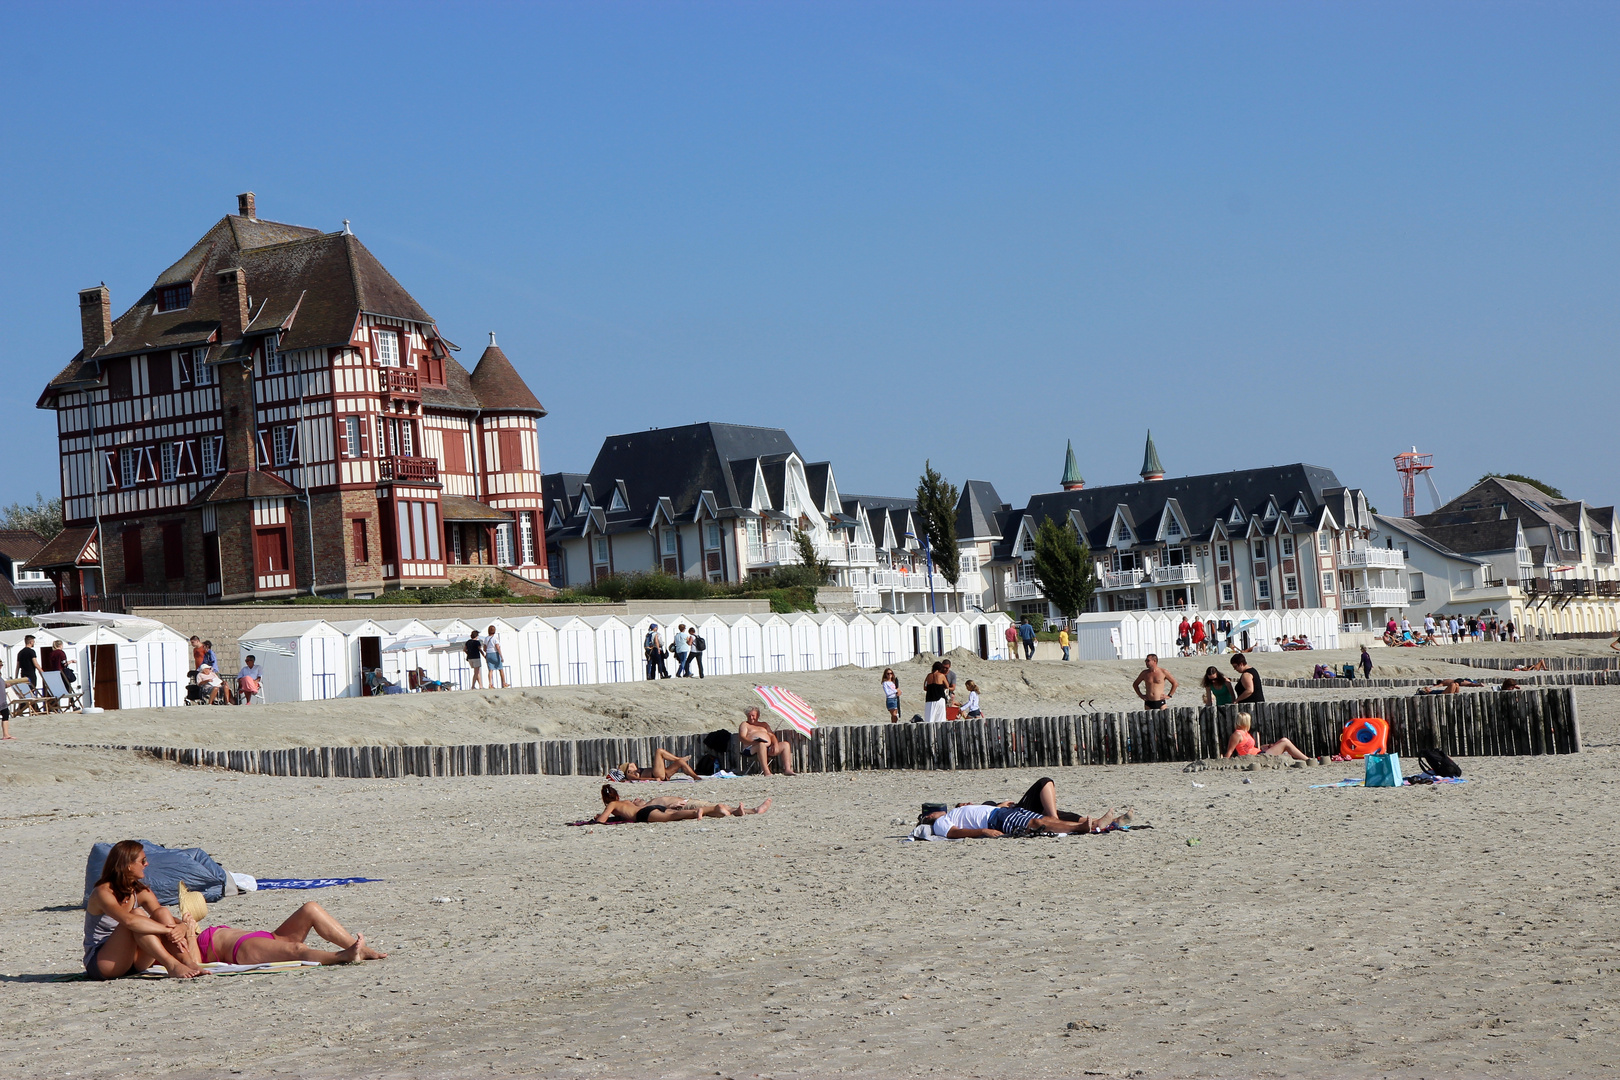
(276, 415)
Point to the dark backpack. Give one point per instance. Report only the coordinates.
(1439, 763)
(707, 765)
(699, 644)
(718, 741)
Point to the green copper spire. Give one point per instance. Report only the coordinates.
(1151, 467)
(1072, 480)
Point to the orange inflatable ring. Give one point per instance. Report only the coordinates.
(1364, 735)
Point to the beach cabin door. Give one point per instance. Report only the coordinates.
(105, 658)
(984, 641)
(370, 657)
(916, 641)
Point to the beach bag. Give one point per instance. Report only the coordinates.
(1383, 770)
(707, 765)
(1439, 763)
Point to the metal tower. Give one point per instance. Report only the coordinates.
(1410, 465)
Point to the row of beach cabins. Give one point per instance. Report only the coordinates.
(129, 663)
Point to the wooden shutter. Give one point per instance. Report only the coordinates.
(174, 552)
(160, 373)
(134, 565)
(510, 446)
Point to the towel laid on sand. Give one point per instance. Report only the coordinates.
(311, 883)
(155, 972)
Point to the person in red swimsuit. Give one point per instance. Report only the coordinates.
(1243, 744)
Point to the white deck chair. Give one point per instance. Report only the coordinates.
(57, 688)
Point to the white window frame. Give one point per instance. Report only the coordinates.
(169, 461)
(669, 546)
(129, 466)
(1327, 581)
(1259, 551)
(202, 372)
(1290, 585)
(1288, 547)
(711, 534)
(211, 446)
(1419, 589)
(526, 536)
(503, 544)
(1324, 543)
(274, 362)
(1172, 528)
(600, 549)
(1262, 588)
(1223, 553)
(1226, 592)
(351, 436)
(385, 344)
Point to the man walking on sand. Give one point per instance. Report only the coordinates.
(1012, 641)
(1027, 633)
(1063, 641)
(1150, 685)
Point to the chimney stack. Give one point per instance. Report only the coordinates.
(233, 304)
(245, 206)
(95, 318)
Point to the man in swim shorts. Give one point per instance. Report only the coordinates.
(1150, 685)
(980, 822)
(758, 739)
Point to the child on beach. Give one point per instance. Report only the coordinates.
(971, 710)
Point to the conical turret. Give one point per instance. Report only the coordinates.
(1072, 480)
(1151, 467)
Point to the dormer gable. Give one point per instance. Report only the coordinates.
(1271, 513)
(1235, 515)
(1121, 532)
(1173, 524)
(621, 501)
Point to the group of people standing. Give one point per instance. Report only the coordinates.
(684, 641)
(485, 652)
(939, 693)
(1459, 628)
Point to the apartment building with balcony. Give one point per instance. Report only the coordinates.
(1277, 538)
(276, 415)
(1548, 564)
(1489, 580)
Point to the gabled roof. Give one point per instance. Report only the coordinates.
(499, 387)
(976, 511)
(1409, 528)
(461, 508)
(237, 486)
(564, 486)
(312, 285)
(20, 545)
(70, 547)
(1522, 500)
(1203, 500)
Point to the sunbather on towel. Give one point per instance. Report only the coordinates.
(1041, 798)
(666, 808)
(1242, 743)
(126, 929)
(1441, 686)
(228, 945)
(664, 763)
(981, 822)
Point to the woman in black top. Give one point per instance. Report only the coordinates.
(475, 658)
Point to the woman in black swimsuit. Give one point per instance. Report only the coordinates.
(666, 808)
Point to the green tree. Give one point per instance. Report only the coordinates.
(1546, 489)
(936, 513)
(807, 553)
(1063, 567)
(43, 516)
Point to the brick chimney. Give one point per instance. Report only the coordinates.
(245, 206)
(233, 304)
(95, 318)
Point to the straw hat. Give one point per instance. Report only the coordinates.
(192, 903)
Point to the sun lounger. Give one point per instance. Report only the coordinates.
(24, 700)
(59, 690)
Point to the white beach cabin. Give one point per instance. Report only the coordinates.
(834, 640)
(805, 635)
(747, 645)
(717, 658)
(617, 657)
(777, 647)
(302, 661)
(364, 640)
(530, 646)
(862, 640)
(452, 661)
(576, 650)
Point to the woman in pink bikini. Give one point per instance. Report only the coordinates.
(1242, 743)
(228, 945)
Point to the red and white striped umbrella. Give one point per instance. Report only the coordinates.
(789, 706)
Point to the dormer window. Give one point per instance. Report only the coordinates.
(1172, 530)
(617, 505)
(174, 297)
(274, 363)
(1123, 536)
(1271, 511)
(1299, 509)
(386, 345)
(1236, 516)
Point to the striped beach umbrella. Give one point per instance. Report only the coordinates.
(789, 706)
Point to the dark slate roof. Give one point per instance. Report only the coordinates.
(679, 464)
(313, 285)
(1410, 528)
(1205, 501)
(64, 549)
(562, 486)
(815, 474)
(499, 387)
(1523, 501)
(1496, 534)
(976, 511)
(236, 486)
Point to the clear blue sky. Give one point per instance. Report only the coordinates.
(965, 232)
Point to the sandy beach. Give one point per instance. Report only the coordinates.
(1261, 928)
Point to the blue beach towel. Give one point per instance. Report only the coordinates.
(311, 883)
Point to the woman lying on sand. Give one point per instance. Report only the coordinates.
(126, 929)
(1242, 743)
(666, 808)
(983, 822)
(228, 945)
(664, 764)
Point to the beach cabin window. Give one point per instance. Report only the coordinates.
(1223, 553)
(386, 345)
(1327, 581)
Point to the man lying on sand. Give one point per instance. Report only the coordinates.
(1441, 686)
(666, 808)
(981, 822)
(228, 945)
(664, 763)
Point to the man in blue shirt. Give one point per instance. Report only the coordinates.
(1026, 633)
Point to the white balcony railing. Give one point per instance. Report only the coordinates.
(1023, 590)
(914, 581)
(1121, 579)
(1371, 558)
(868, 599)
(757, 554)
(1186, 574)
(1354, 598)
(863, 553)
